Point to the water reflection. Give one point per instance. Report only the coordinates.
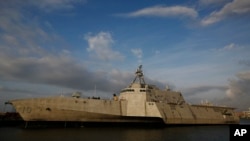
(178, 133)
(187, 133)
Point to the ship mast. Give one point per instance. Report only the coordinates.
(139, 75)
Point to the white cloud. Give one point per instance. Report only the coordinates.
(100, 46)
(163, 11)
(235, 7)
(230, 46)
(138, 53)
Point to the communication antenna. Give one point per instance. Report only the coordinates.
(139, 75)
(95, 91)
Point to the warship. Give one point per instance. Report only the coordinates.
(137, 103)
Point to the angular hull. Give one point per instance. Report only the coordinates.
(96, 110)
(198, 114)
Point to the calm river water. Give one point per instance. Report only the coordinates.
(173, 133)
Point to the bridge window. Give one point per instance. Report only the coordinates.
(128, 90)
(142, 90)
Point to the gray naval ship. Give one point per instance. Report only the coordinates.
(137, 103)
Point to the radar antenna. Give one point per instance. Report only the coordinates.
(139, 75)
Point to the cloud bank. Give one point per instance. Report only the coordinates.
(238, 93)
(235, 94)
(30, 53)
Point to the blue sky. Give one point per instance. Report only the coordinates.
(200, 48)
